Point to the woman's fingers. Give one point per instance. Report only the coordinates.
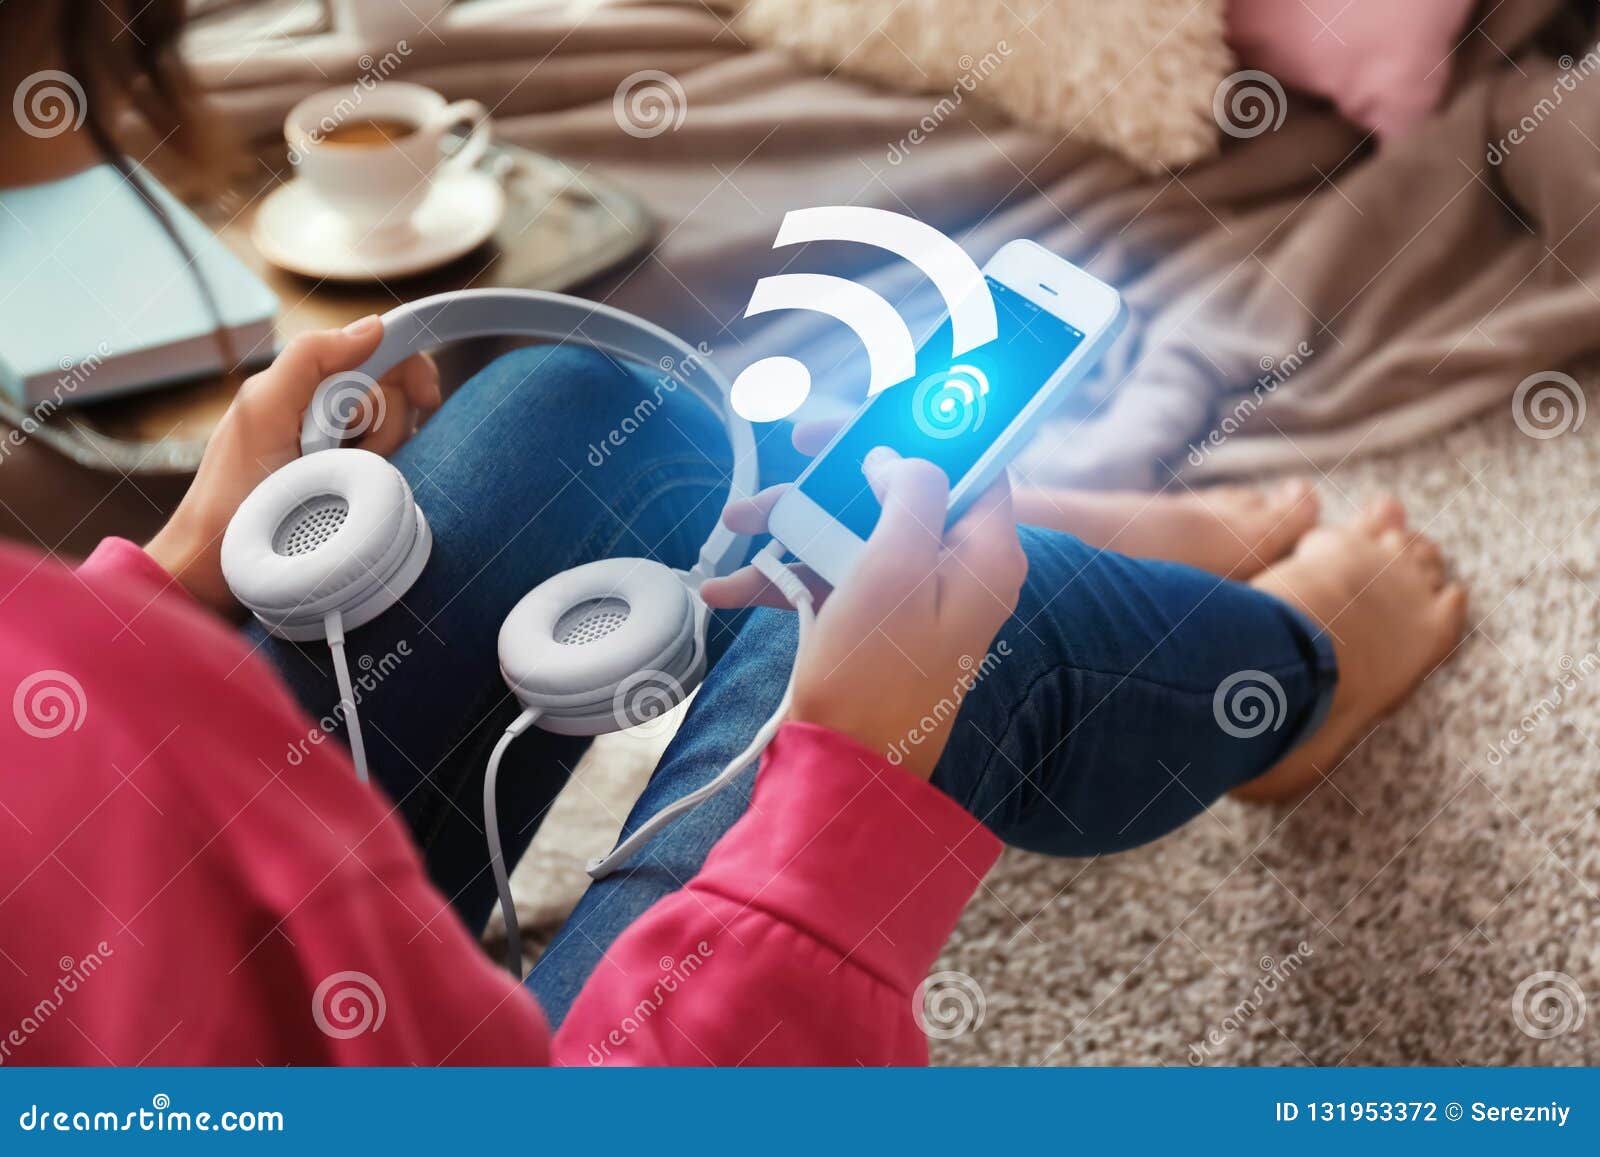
(910, 530)
(393, 421)
(988, 522)
(984, 563)
(749, 515)
(418, 377)
(409, 394)
(294, 375)
(810, 438)
(748, 587)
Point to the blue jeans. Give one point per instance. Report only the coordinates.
(1095, 724)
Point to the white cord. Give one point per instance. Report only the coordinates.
(333, 623)
(497, 856)
(769, 561)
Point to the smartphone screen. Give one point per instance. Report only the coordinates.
(950, 411)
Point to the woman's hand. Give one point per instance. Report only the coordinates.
(261, 432)
(895, 647)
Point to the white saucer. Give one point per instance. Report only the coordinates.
(295, 230)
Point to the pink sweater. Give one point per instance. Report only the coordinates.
(175, 890)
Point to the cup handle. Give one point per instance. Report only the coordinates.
(473, 148)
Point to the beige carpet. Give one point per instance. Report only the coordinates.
(1427, 884)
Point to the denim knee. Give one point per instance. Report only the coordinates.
(536, 379)
(607, 411)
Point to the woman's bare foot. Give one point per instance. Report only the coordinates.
(1381, 592)
(1233, 531)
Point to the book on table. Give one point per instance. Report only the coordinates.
(98, 300)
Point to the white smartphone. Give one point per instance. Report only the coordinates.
(969, 416)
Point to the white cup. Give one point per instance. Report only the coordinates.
(378, 187)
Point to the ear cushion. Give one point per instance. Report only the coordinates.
(604, 646)
(335, 530)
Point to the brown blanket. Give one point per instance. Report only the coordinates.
(1305, 295)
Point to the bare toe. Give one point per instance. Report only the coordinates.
(1381, 514)
(1451, 606)
(1427, 557)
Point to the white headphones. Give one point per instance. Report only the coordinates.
(335, 538)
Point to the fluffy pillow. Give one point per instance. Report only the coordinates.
(1136, 76)
(1385, 63)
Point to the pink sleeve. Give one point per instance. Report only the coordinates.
(116, 560)
(804, 937)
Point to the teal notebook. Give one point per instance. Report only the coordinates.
(95, 299)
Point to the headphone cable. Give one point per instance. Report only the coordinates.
(769, 561)
(333, 623)
(497, 856)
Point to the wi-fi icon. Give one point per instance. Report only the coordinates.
(774, 387)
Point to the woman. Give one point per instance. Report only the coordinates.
(260, 874)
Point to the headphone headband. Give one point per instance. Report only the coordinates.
(446, 317)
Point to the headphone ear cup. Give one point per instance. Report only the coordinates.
(605, 646)
(337, 530)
